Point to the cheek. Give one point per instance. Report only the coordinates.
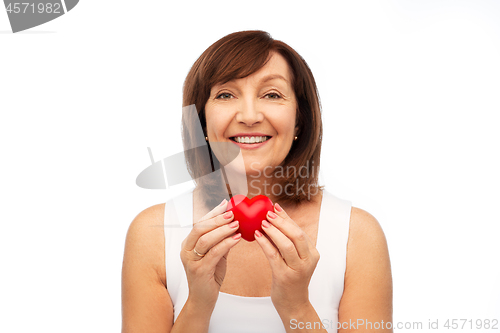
(284, 125)
(283, 119)
(216, 123)
(211, 120)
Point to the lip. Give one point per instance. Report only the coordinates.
(250, 145)
(249, 134)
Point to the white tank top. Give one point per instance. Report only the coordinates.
(239, 314)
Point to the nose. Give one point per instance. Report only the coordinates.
(249, 114)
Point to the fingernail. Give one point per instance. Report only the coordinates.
(258, 233)
(233, 224)
(237, 236)
(266, 224)
(272, 215)
(228, 215)
(278, 207)
(222, 203)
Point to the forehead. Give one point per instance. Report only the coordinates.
(276, 69)
(276, 65)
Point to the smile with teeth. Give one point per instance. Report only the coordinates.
(250, 139)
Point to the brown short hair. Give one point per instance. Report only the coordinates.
(236, 56)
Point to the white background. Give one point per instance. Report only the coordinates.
(410, 96)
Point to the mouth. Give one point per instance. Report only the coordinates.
(250, 140)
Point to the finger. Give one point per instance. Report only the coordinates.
(214, 222)
(284, 244)
(221, 208)
(270, 251)
(202, 227)
(280, 219)
(220, 250)
(212, 238)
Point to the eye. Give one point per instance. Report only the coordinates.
(224, 95)
(273, 95)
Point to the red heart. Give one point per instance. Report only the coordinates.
(250, 213)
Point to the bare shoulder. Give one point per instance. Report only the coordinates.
(146, 304)
(365, 230)
(145, 240)
(366, 244)
(368, 278)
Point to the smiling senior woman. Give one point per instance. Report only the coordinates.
(257, 94)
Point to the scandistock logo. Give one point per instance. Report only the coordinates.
(24, 15)
(172, 170)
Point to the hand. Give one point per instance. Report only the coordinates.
(292, 257)
(204, 253)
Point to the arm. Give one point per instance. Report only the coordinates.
(368, 281)
(293, 260)
(303, 319)
(146, 304)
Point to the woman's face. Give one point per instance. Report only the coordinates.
(256, 113)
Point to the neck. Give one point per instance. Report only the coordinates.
(252, 186)
(248, 185)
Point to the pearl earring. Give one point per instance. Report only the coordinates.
(206, 138)
(295, 139)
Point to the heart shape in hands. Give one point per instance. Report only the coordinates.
(250, 213)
